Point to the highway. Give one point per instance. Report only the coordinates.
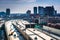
(16, 30)
(12, 32)
(33, 35)
(36, 33)
(49, 33)
(40, 34)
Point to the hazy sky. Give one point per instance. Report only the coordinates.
(21, 6)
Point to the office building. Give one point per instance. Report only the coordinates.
(35, 10)
(40, 10)
(49, 10)
(7, 11)
(28, 13)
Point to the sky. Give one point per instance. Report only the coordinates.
(21, 6)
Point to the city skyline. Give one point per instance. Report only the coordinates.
(21, 6)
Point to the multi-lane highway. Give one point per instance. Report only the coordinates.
(12, 32)
(16, 30)
(40, 34)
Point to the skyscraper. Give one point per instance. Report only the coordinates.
(49, 10)
(40, 10)
(55, 13)
(28, 13)
(35, 10)
(7, 11)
